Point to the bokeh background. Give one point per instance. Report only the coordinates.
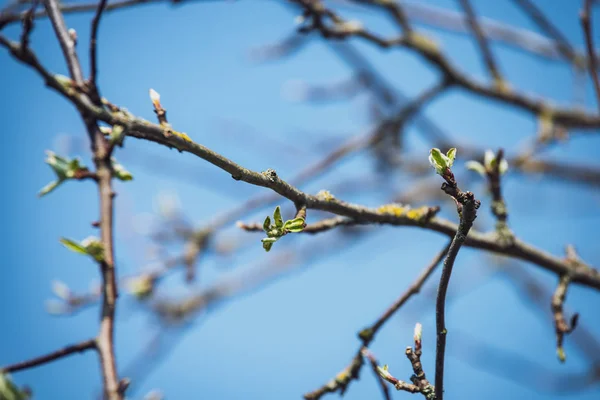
(294, 334)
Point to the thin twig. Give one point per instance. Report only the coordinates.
(56, 355)
(67, 44)
(113, 388)
(585, 16)
(484, 46)
(93, 50)
(28, 24)
(374, 364)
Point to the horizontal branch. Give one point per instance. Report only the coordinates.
(56, 355)
(139, 128)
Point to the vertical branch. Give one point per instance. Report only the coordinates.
(466, 221)
(587, 31)
(106, 334)
(467, 207)
(113, 389)
(482, 42)
(93, 51)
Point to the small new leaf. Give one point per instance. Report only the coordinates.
(268, 243)
(94, 248)
(64, 169)
(90, 246)
(120, 172)
(73, 246)
(267, 224)
(451, 155)
(476, 166)
(277, 218)
(48, 188)
(294, 225)
(440, 161)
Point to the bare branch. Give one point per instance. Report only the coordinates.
(467, 207)
(56, 355)
(589, 41)
(484, 47)
(93, 51)
(538, 17)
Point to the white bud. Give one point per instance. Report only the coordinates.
(418, 331)
(155, 97)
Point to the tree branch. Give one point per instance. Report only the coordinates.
(589, 41)
(102, 159)
(467, 209)
(93, 51)
(482, 41)
(56, 355)
(538, 17)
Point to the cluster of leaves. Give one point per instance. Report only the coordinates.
(279, 228)
(440, 161)
(66, 168)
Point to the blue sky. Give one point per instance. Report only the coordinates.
(295, 334)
